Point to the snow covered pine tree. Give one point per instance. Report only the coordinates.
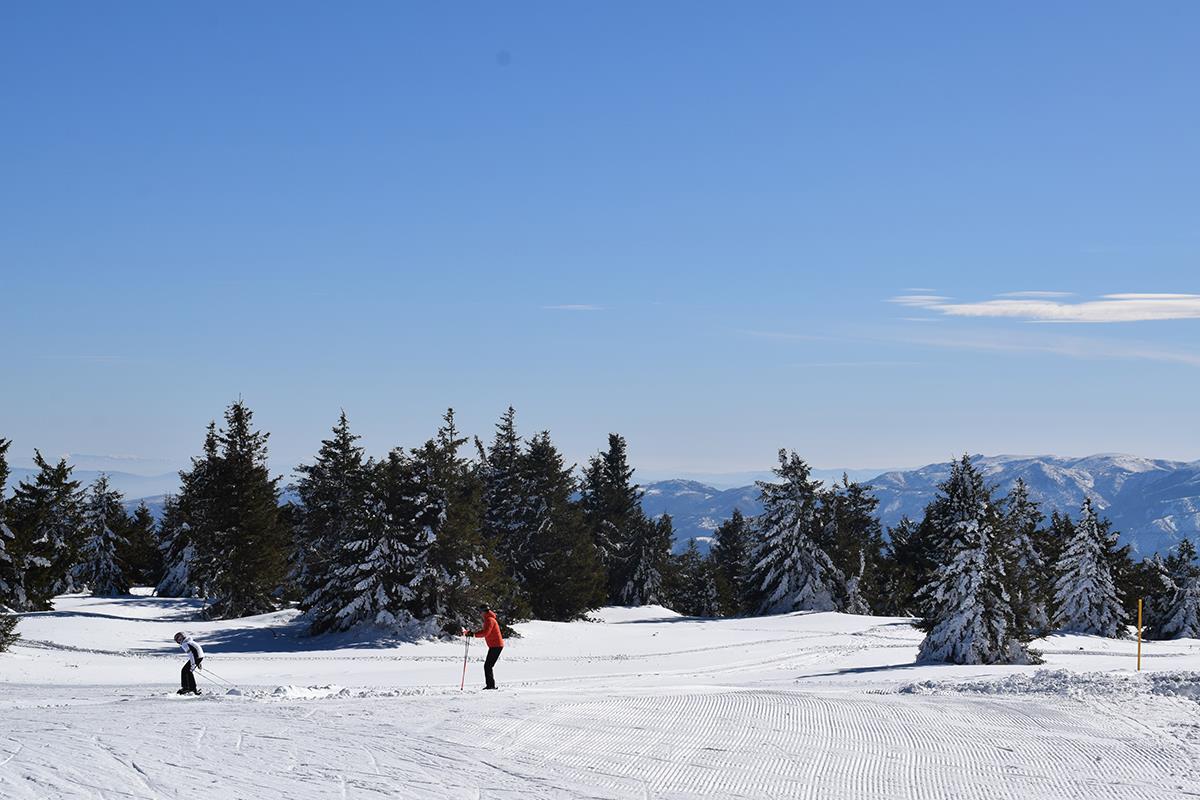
(99, 568)
(1182, 615)
(1085, 595)
(12, 583)
(45, 518)
(969, 619)
(789, 571)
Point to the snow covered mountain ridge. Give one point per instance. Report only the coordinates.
(1152, 502)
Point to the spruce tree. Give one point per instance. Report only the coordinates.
(1158, 592)
(1181, 618)
(385, 565)
(646, 561)
(852, 536)
(789, 570)
(177, 553)
(47, 525)
(100, 568)
(562, 574)
(8, 634)
(910, 562)
(337, 507)
(141, 552)
(1029, 582)
(613, 511)
(12, 582)
(504, 498)
(467, 572)
(189, 526)
(731, 556)
(693, 584)
(1085, 597)
(248, 542)
(1125, 573)
(969, 619)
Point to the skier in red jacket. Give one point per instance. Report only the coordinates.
(495, 643)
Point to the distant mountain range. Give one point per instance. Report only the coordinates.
(126, 483)
(1153, 503)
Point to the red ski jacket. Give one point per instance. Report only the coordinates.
(491, 630)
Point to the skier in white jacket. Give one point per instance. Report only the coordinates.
(195, 654)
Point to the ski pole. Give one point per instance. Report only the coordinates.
(219, 680)
(210, 680)
(466, 650)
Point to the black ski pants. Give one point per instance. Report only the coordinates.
(187, 677)
(492, 657)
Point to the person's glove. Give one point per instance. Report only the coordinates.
(198, 667)
(466, 632)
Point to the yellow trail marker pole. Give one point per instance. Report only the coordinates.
(1139, 634)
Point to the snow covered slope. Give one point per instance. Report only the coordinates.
(640, 703)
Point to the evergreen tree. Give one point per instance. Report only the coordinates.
(731, 556)
(190, 524)
(613, 511)
(562, 574)
(177, 553)
(968, 616)
(100, 569)
(12, 582)
(1181, 619)
(141, 552)
(47, 525)
(789, 570)
(1158, 592)
(910, 562)
(851, 535)
(467, 573)
(1085, 596)
(1026, 570)
(504, 497)
(248, 542)
(1053, 540)
(693, 585)
(8, 634)
(647, 557)
(386, 562)
(337, 516)
(1126, 575)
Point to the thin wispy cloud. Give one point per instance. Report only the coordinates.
(1069, 346)
(1035, 294)
(1134, 307)
(852, 364)
(574, 307)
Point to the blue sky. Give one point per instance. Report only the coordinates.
(719, 229)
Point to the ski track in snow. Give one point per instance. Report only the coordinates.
(820, 707)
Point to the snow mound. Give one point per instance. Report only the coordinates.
(620, 614)
(1064, 683)
(290, 692)
(333, 692)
